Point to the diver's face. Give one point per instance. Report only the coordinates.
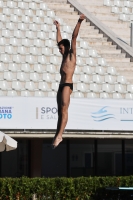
(62, 49)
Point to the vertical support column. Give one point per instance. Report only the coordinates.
(123, 158)
(68, 157)
(131, 34)
(95, 161)
(36, 157)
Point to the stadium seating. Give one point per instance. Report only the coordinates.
(30, 58)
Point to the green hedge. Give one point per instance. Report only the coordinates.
(82, 188)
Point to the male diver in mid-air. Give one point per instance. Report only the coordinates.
(66, 85)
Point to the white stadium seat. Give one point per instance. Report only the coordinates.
(110, 79)
(75, 78)
(31, 59)
(52, 35)
(43, 86)
(93, 53)
(91, 95)
(85, 78)
(18, 33)
(79, 61)
(37, 20)
(4, 85)
(10, 26)
(17, 58)
(22, 76)
(25, 67)
(29, 12)
(100, 70)
(57, 77)
(18, 11)
(129, 96)
(78, 70)
(55, 86)
(78, 95)
(88, 69)
(54, 60)
(51, 14)
(126, 10)
(25, 93)
(52, 94)
(22, 5)
(14, 41)
(13, 67)
(47, 77)
(33, 26)
(30, 86)
(41, 35)
(107, 88)
(117, 95)
(38, 68)
(35, 50)
(22, 50)
(122, 80)
(2, 67)
(17, 85)
(97, 78)
(51, 68)
(118, 3)
(90, 62)
(107, 3)
(56, 51)
(33, 6)
(49, 43)
(9, 76)
(45, 27)
(48, 20)
(12, 93)
(34, 77)
(7, 11)
(84, 45)
(3, 18)
(104, 95)
(25, 19)
(119, 88)
(6, 33)
(1, 4)
(124, 17)
(30, 34)
(102, 62)
(39, 94)
(81, 53)
(81, 87)
(2, 41)
(40, 13)
(2, 93)
(43, 6)
(9, 49)
(26, 42)
(115, 9)
(129, 88)
(112, 71)
(42, 60)
(5, 58)
(38, 42)
(67, 29)
(128, 4)
(94, 87)
(14, 18)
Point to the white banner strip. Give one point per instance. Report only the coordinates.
(84, 114)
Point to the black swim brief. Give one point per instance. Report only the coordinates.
(62, 85)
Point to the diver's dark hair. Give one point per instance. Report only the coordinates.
(64, 42)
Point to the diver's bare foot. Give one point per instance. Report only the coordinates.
(56, 142)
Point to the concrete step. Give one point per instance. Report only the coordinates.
(118, 24)
(58, 5)
(85, 36)
(106, 18)
(96, 9)
(88, 32)
(120, 66)
(113, 56)
(117, 60)
(108, 51)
